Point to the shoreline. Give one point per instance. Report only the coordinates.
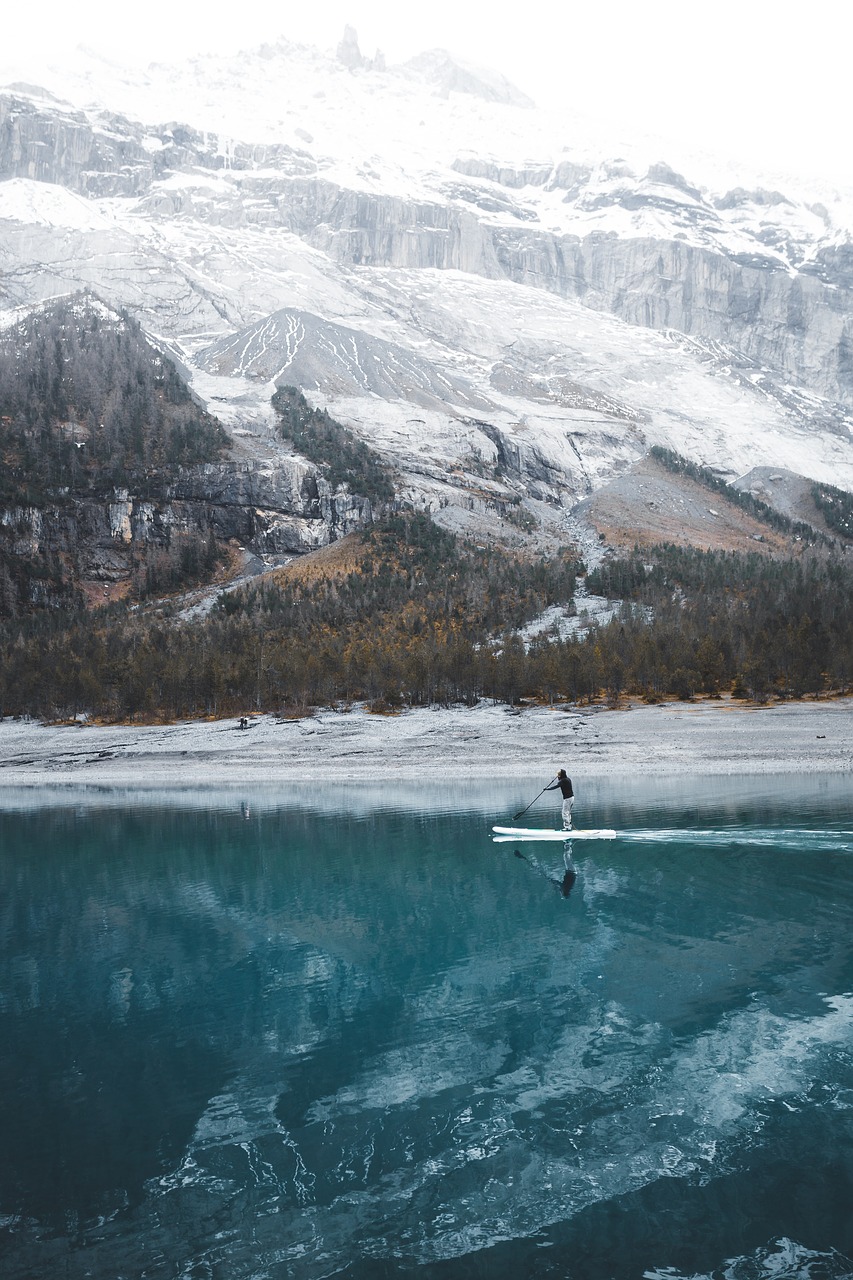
(676, 738)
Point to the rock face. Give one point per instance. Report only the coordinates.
(532, 175)
(800, 323)
(283, 510)
(109, 155)
(348, 51)
(273, 509)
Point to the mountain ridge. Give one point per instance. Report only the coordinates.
(499, 330)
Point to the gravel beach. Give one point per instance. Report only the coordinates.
(714, 737)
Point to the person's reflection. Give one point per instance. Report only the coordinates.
(563, 884)
(570, 873)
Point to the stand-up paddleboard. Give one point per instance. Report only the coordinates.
(538, 833)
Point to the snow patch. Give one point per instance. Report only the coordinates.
(44, 204)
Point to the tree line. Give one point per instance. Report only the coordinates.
(423, 618)
(725, 621)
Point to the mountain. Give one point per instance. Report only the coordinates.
(114, 478)
(508, 317)
(90, 404)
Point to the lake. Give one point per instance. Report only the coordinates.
(314, 1031)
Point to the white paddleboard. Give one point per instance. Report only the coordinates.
(534, 833)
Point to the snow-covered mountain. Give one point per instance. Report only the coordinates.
(502, 308)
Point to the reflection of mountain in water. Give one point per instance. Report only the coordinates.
(328, 1039)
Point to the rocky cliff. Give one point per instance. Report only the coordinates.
(777, 301)
(105, 154)
(95, 546)
(798, 321)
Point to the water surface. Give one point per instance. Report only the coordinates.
(306, 1032)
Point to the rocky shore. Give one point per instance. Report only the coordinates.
(703, 738)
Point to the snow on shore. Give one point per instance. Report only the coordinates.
(726, 738)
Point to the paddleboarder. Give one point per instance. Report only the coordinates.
(564, 782)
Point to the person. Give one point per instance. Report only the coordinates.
(564, 782)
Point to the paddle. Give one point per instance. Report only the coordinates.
(516, 816)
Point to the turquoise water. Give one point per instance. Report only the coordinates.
(315, 1032)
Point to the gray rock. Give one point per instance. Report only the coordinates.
(286, 508)
(113, 156)
(448, 75)
(295, 348)
(348, 51)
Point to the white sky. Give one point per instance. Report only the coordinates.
(744, 78)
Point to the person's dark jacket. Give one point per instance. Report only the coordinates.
(565, 785)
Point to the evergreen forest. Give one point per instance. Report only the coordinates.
(88, 405)
(344, 459)
(836, 507)
(409, 615)
(421, 617)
